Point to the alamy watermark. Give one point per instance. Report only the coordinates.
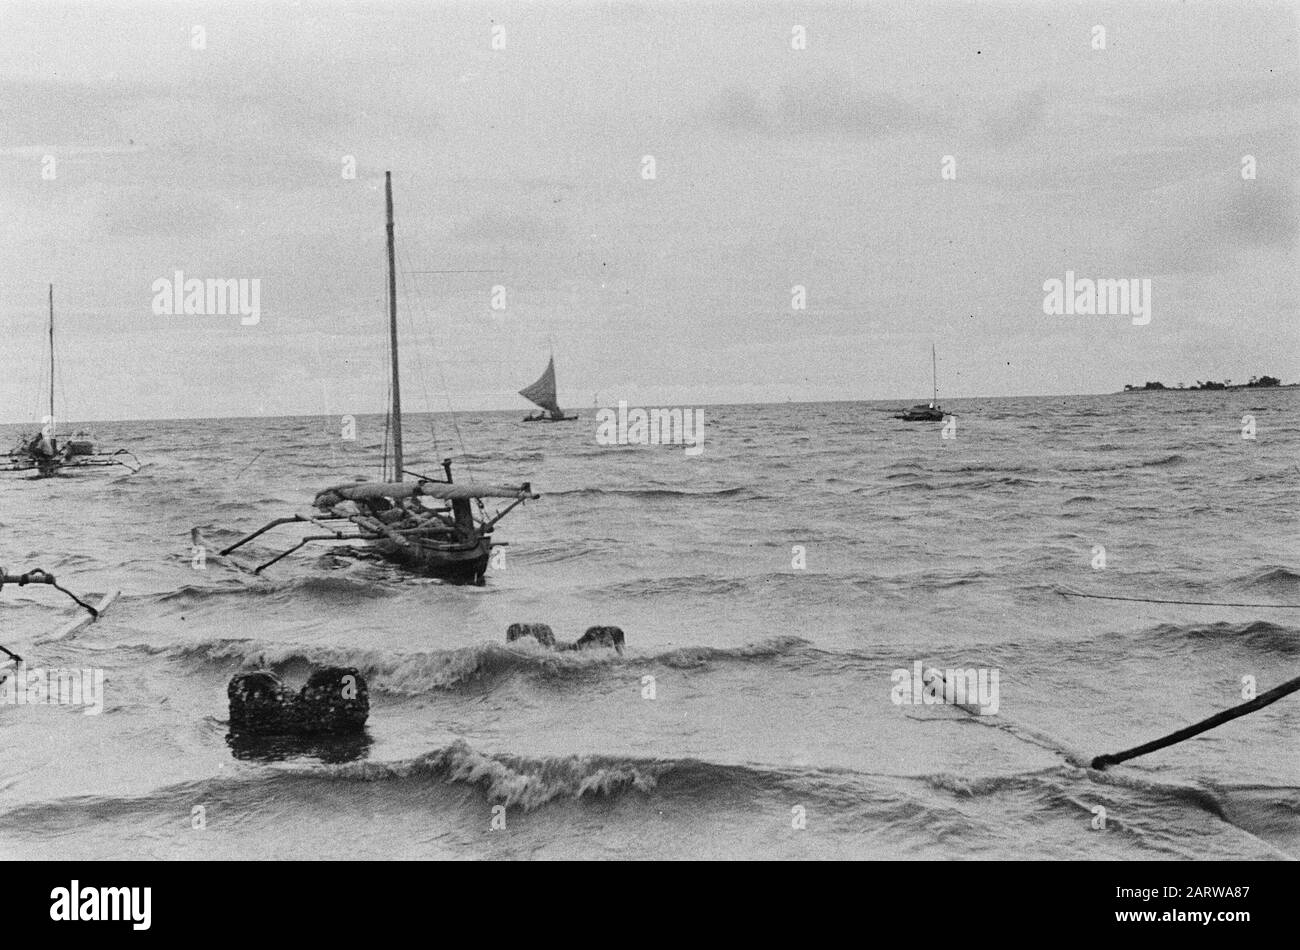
(651, 427)
(974, 689)
(75, 902)
(1126, 296)
(38, 686)
(177, 296)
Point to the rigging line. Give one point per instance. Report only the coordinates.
(1196, 603)
(43, 382)
(37, 410)
(326, 422)
(61, 391)
(419, 358)
(455, 420)
(388, 421)
(249, 465)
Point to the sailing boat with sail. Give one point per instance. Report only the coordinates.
(921, 412)
(542, 394)
(42, 453)
(451, 541)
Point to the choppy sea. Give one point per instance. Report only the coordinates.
(769, 588)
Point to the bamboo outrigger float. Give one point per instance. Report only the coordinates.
(42, 453)
(451, 542)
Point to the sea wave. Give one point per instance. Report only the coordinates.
(519, 782)
(514, 781)
(1273, 579)
(319, 587)
(530, 783)
(410, 674)
(647, 493)
(1260, 635)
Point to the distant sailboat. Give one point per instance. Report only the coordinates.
(42, 452)
(542, 394)
(921, 412)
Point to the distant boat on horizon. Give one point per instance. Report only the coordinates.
(922, 412)
(542, 394)
(41, 453)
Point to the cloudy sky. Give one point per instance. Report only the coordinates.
(774, 167)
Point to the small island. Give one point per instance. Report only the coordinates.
(1256, 382)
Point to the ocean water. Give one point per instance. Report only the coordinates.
(769, 589)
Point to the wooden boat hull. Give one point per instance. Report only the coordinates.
(457, 564)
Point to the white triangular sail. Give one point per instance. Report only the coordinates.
(542, 392)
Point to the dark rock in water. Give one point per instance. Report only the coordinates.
(594, 637)
(335, 700)
(540, 632)
(601, 637)
(259, 702)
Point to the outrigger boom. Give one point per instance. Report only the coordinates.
(448, 541)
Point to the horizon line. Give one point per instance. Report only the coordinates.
(787, 402)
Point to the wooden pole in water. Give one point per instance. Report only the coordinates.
(392, 333)
(1259, 702)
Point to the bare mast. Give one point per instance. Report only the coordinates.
(934, 377)
(51, 364)
(392, 334)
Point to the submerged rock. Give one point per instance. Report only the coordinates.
(542, 633)
(334, 700)
(601, 637)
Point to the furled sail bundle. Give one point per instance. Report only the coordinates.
(370, 491)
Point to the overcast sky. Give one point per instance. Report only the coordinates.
(774, 167)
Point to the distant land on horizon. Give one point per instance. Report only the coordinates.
(1209, 385)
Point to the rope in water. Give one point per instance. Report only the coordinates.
(1155, 600)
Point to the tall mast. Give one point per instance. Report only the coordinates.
(51, 362)
(934, 376)
(392, 334)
